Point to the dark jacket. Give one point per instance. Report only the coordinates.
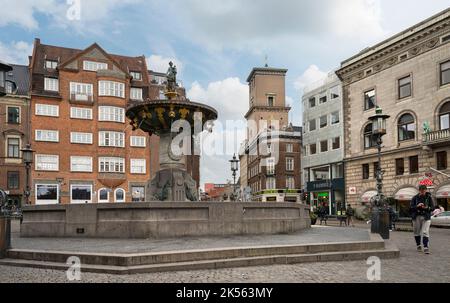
(427, 200)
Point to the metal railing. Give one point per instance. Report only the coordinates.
(436, 136)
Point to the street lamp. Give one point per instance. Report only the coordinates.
(234, 168)
(27, 156)
(380, 215)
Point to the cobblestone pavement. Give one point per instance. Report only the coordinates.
(412, 266)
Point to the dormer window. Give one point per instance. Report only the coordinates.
(51, 64)
(94, 66)
(51, 84)
(136, 76)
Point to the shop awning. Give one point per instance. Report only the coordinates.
(443, 192)
(406, 194)
(368, 195)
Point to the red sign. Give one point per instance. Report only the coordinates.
(426, 182)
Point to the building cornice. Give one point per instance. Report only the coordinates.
(266, 71)
(383, 153)
(267, 109)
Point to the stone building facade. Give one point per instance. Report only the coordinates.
(408, 76)
(323, 150)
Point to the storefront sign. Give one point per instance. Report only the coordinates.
(352, 190)
(318, 185)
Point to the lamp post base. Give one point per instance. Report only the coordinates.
(380, 222)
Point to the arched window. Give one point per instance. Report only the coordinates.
(444, 116)
(119, 195)
(369, 140)
(406, 128)
(103, 195)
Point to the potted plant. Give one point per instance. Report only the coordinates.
(313, 217)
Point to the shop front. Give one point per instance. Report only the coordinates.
(403, 199)
(329, 193)
(443, 197)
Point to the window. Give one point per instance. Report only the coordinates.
(313, 149)
(441, 159)
(289, 148)
(414, 164)
(290, 182)
(312, 102)
(369, 99)
(111, 88)
(404, 87)
(336, 143)
(80, 164)
(51, 64)
(323, 146)
(312, 125)
(13, 147)
(369, 140)
(47, 110)
(445, 39)
(10, 87)
(137, 141)
(270, 166)
(47, 162)
(323, 121)
(271, 183)
(445, 73)
(80, 138)
(375, 167)
(136, 93)
(136, 75)
(322, 99)
(444, 116)
(81, 113)
(47, 194)
(138, 166)
(46, 135)
(80, 193)
(321, 173)
(289, 164)
(406, 128)
(111, 165)
(365, 171)
(399, 167)
(335, 118)
(111, 139)
(94, 66)
(137, 194)
(13, 180)
(270, 100)
(119, 195)
(103, 195)
(81, 91)
(51, 84)
(334, 92)
(13, 115)
(111, 113)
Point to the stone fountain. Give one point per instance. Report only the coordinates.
(156, 117)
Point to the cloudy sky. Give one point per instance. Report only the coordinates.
(216, 43)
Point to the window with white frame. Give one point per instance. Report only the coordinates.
(46, 135)
(335, 117)
(80, 138)
(289, 148)
(119, 195)
(47, 162)
(289, 164)
(81, 113)
(136, 93)
(138, 166)
(138, 194)
(103, 195)
(110, 138)
(137, 141)
(111, 113)
(80, 164)
(94, 66)
(270, 166)
(13, 147)
(271, 183)
(51, 84)
(51, 64)
(81, 91)
(290, 182)
(47, 110)
(46, 193)
(111, 165)
(136, 75)
(80, 193)
(111, 88)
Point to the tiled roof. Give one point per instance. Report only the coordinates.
(20, 76)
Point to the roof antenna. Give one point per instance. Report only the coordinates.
(266, 59)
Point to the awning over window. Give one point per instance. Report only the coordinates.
(406, 194)
(368, 195)
(443, 192)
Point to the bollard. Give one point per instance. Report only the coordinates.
(380, 223)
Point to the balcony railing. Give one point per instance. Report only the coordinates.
(88, 98)
(436, 137)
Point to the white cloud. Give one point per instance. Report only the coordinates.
(161, 64)
(309, 77)
(15, 52)
(23, 12)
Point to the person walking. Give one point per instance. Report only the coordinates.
(349, 212)
(421, 207)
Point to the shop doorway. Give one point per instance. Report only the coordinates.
(320, 199)
(444, 202)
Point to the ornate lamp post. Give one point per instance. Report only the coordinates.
(380, 215)
(27, 156)
(234, 168)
